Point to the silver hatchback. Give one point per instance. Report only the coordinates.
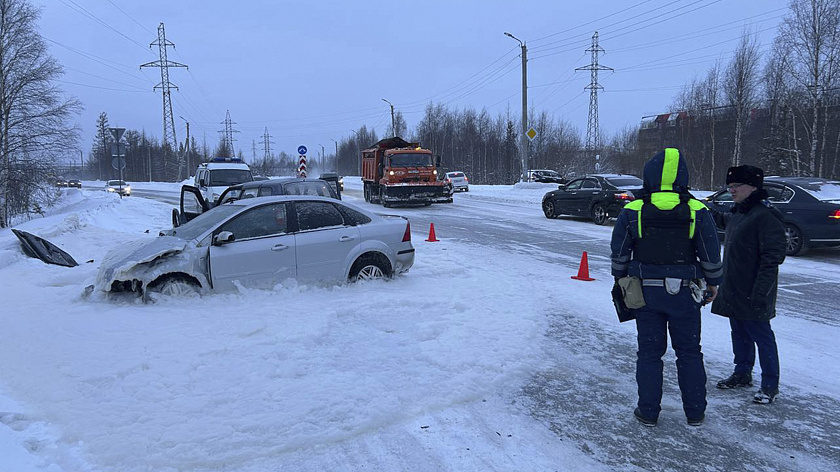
(259, 242)
(459, 181)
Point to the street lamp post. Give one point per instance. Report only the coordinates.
(358, 151)
(335, 159)
(523, 143)
(323, 160)
(393, 122)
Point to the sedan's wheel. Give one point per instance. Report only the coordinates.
(174, 286)
(549, 210)
(796, 245)
(599, 214)
(368, 268)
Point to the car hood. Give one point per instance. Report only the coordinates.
(143, 260)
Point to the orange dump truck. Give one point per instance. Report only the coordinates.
(396, 171)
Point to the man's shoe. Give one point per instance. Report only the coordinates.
(643, 419)
(736, 380)
(696, 421)
(765, 396)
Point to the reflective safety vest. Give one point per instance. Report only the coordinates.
(665, 231)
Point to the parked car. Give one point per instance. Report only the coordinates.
(259, 242)
(598, 196)
(281, 186)
(74, 183)
(811, 207)
(192, 202)
(459, 181)
(545, 176)
(118, 186)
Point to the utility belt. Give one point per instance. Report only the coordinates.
(630, 289)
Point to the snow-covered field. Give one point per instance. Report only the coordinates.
(419, 373)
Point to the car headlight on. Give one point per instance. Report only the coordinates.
(127, 188)
(109, 189)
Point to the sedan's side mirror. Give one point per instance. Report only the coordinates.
(223, 238)
(561, 187)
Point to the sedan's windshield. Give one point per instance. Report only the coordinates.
(227, 177)
(203, 222)
(117, 183)
(413, 159)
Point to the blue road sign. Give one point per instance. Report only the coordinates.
(301, 149)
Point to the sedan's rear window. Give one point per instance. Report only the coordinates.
(825, 191)
(456, 174)
(308, 188)
(625, 182)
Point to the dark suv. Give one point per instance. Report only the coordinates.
(598, 196)
(810, 205)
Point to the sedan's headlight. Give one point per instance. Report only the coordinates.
(109, 189)
(127, 188)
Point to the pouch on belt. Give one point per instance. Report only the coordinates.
(631, 287)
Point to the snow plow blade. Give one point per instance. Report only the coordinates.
(34, 246)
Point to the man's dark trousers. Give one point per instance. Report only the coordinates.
(746, 335)
(680, 315)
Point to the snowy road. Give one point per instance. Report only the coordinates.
(486, 356)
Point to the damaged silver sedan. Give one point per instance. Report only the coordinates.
(259, 242)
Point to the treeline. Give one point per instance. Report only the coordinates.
(779, 111)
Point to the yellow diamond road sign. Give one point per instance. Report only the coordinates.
(532, 133)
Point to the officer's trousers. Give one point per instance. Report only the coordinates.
(678, 315)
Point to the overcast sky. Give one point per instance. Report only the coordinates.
(313, 71)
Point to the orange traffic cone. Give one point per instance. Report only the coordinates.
(583, 270)
(432, 238)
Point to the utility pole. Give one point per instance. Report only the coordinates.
(393, 121)
(323, 159)
(593, 138)
(335, 158)
(186, 148)
(169, 139)
(523, 138)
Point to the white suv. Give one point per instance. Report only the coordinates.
(212, 178)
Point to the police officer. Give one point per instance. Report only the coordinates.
(669, 241)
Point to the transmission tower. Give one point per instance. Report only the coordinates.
(170, 143)
(228, 134)
(267, 145)
(592, 134)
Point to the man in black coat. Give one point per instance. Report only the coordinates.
(754, 247)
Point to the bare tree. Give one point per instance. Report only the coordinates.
(741, 88)
(810, 34)
(33, 113)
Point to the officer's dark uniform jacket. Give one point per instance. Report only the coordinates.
(666, 233)
(754, 248)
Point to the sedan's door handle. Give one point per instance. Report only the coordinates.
(279, 247)
(345, 238)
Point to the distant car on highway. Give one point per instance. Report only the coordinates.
(459, 181)
(60, 183)
(810, 205)
(74, 183)
(598, 196)
(118, 186)
(259, 242)
(545, 176)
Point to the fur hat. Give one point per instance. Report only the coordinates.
(745, 174)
